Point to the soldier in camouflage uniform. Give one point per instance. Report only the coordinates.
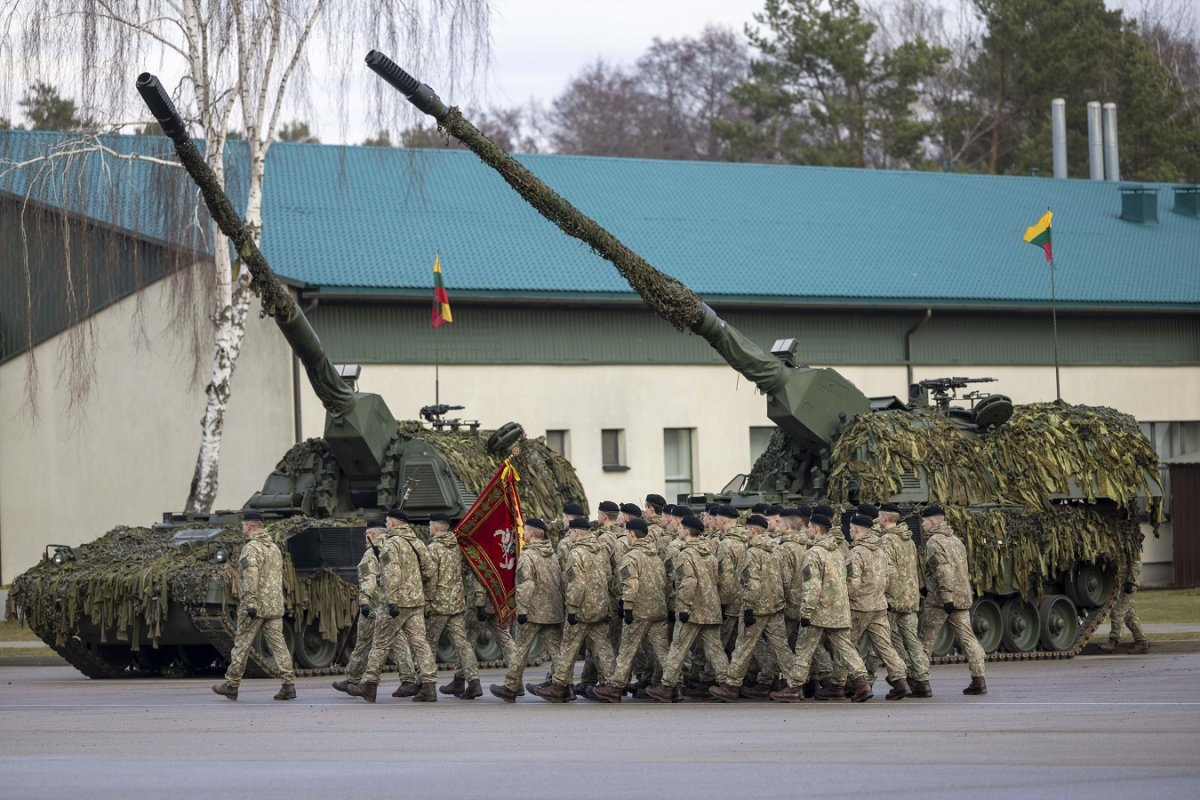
(612, 535)
(697, 611)
(762, 613)
(588, 609)
(1125, 614)
(731, 560)
(445, 605)
(260, 605)
(643, 608)
(539, 605)
(406, 571)
(825, 615)
(652, 512)
(867, 579)
(570, 511)
(903, 595)
(948, 595)
(482, 616)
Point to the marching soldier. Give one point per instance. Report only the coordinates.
(483, 615)
(867, 578)
(445, 607)
(260, 605)
(903, 595)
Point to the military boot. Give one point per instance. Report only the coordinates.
(862, 690)
(663, 694)
(978, 685)
(899, 690)
(426, 694)
(406, 689)
(698, 690)
(1110, 646)
(503, 692)
(789, 694)
(607, 694)
(366, 691)
(556, 693)
(472, 690)
(726, 694)
(226, 689)
(1140, 646)
(533, 688)
(341, 686)
(830, 691)
(286, 692)
(454, 687)
(810, 687)
(758, 691)
(920, 689)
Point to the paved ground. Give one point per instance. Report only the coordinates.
(1100, 727)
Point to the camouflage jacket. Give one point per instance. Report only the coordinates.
(695, 578)
(790, 554)
(262, 576)
(643, 582)
(446, 595)
(867, 574)
(946, 573)
(762, 579)
(615, 539)
(589, 573)
(368, 578)
(904, 581)
(670, 560)
(731, 560)
(405, 567)
(540, 584)
(825, 601)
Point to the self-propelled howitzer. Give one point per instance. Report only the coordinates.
(1047, 497)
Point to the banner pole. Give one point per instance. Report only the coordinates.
(1054, 320)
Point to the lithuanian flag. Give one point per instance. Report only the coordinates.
(1038, 234)
(441, 302)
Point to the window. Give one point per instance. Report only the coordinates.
(612, 449)
(1171, 439)
(559, 442)
(677, 458)
(760, 437)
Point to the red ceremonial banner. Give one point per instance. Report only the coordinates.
(491, 536)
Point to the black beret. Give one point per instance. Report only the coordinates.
(693, 523)
(636, 524)
(822, 520)
(790, 512)
(438, 516)
(827, 510)
(397, 512)
(573, 508)
(933, 511)
(630, 509)
(609, 507)
(868, 510)
(711, 508)
(679, 511)
(774, 511)
(534, 522)
(862, 520)
(252, 516)
(758, 508)
(580, 523)
(892, 507)
(729, 512)
(805, 511)
(757, 519)
(656, 500)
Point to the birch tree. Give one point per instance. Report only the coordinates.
(234, 66)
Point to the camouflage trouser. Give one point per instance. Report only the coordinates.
(551, 643)
(772, 628)
(729, 632)
(686, 633)
(501, 632)
(875, 625)
(574, 636)
(272, 630)
(932, 620)
(844, 652)
(653, 633)
(410, 623)
(907, 643)
(589, 674)
(456, 629)
(401, 655)
(1124, 614)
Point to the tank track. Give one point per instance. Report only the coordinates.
(1090, 623)
(90, 663)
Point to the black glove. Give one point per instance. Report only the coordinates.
(684, 616)
(572, 619)
(481, 613)
(805, 622)
(748, 617)
(670, 617)
(522, 619)
(924, 591)
(628, 615)
(252, 612)
(948, 608)
(1128, 587)
(364, 609)
(393, 610)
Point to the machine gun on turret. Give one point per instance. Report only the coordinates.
(433, 414)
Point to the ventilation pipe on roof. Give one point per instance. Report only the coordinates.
(1095, 142)
(1058, 135)
(1112, 166)
(1187, 201)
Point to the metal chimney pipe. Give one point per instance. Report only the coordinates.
(1112, 165)
(1058, 135)
(1095, 143)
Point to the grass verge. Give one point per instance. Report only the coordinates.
(1157, 606)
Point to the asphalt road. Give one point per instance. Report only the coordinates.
(1093, 727)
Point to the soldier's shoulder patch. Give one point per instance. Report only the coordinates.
(849, 572)
(625, 572)
(932, 563)
(520, 572)
(571, 573)
(245, 562)
(746, 574)
(806, 572)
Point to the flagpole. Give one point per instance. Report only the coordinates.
(1054, 319)
(437, 360)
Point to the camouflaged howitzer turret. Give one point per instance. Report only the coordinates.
(162, 597)
(1048, 497)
